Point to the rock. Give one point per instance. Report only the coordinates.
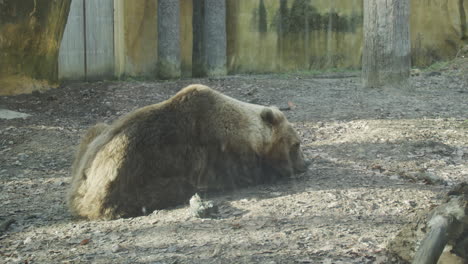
(22, 156)
(434, 73)
(117, 248)
(5, 225)
(27, 240)
(202, 209)
(172, 249)
(60, 183)
(8, 114)
(430, 177)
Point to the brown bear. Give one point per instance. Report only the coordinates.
(158, 156)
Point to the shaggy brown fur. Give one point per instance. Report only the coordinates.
(90, 135)
(160, 155)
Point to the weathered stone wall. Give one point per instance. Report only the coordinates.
(30, 35)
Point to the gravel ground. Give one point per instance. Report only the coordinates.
(379, 158)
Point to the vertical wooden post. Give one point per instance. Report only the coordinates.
(168, 39)
(215, 37)
(119, 38)
(71, 63)
(99, 33)
(198, 51)
(209, 38)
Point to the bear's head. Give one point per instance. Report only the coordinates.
(283, 150)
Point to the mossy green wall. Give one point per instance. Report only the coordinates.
(288, 35)
(436, 30)
(272, 36)
(30, 35)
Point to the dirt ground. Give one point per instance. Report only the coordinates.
(379, 157)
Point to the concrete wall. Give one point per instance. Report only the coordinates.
(298, 36)
(279, 35)
(436, 30)
(333, 37)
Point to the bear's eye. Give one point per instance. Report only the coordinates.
(296, 145)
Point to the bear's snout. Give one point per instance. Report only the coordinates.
(299, 163)
(302, 167)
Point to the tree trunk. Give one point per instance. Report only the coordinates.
(198, 55)
(386, 54)
(434, 243)
(168, 39)
(32, 32)
(448, 224)
(215, 37)
(209, 56)
(461, 10)
(282, 29)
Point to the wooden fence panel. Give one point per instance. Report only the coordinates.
(99, 16)
(71, 64)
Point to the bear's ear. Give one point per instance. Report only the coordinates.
(268, 116)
